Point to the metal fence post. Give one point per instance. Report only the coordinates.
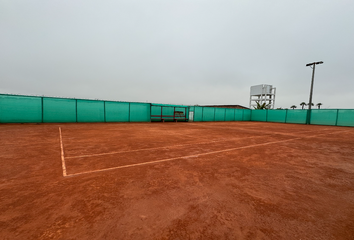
(42, 109)
(76, 109)
(286, 115)
(337, 117)
(308, 116)
(202, 114)
(104, 110)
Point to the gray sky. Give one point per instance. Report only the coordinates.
(178, 52)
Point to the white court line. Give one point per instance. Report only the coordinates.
(196, 155)
(266, 132)
(171, 159)
(62, 154)
(171, 146)
(181, 145)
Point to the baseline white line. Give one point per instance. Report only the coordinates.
(196, 155)
(62, 154)
(171, 159)
(172, 146)
(181, 145)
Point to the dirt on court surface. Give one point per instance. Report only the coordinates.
(214, 180)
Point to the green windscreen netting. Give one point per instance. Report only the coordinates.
(156, 111)
(345, 117)
(259, 115)
(20, 109)
(169, 113)
(198, 114)
(59, 110)
(31, 109)
(90, 111)
(140, 112)
(219, 114)
(182, 113)
(296, 116)
(276, 115)
(208, 114)
(246, 115)
(324, 116)
(229, 114)
(117, 111)
(238, 114)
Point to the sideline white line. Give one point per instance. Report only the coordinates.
(171, 146)
(197, 155)
(62, 154)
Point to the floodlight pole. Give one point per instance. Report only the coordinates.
(311, 91)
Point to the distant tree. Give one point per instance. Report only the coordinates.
(261, 106)
(303, 104)
(311, 104)
(293, 107)
(319, 105)
(279, 108)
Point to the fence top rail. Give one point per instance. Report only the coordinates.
(169, 105)
(67, 98)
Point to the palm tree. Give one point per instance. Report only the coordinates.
(319, 105)
(293, 107)
(261, 106)
(303, 104)
(311, 104)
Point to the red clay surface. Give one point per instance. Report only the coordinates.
(217, 180)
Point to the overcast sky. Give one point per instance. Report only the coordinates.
(178, 51)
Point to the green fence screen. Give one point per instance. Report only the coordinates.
(156, 110)
(246, 115)
(239, 114)
(198, 114)
(31, 109)
(220, 114)
(90, 111)
(117, 111)
(168, 110)
(277, 116)
(208, 114)
(345, 117)
(229, 114)
(140, 112)
(296, 116)
(324, 116)
(169, 113)
(59, 110)
(259, 115)
(20, 109)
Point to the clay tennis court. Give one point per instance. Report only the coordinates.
(207, 180)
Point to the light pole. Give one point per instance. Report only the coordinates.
(310, 101)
